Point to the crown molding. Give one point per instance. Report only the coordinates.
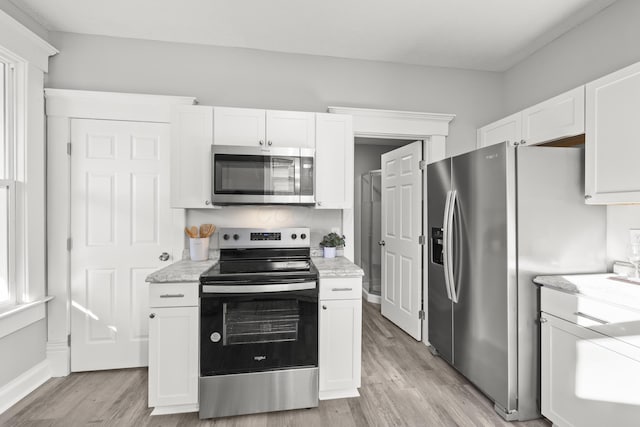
(21, 41)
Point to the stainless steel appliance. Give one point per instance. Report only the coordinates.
(499, 216)
(262, 175)
(259, 324)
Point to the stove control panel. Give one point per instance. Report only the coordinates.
(295, 237)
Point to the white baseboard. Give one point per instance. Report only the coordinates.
(14, 391)
(375, 299)
(338, 394)
(58, 355)
(174, 409)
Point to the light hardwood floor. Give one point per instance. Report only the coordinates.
(402, 385)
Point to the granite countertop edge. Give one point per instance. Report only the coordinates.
(556, 282)
(336, 267)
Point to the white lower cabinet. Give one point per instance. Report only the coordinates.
(587, 378)
(173, 349)
(340, 337)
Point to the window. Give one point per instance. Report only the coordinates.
(7, 185)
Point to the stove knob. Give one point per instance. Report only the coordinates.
(303, 236)
(236, 237)
(225, 237)
(294, 236)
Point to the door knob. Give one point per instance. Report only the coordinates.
(382, 243)
(324, 307)
(164, 256)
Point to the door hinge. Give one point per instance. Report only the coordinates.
(68, 148)
(421, 315)
(422, 164)
(69, 340)
(422, 240)
(69, 244)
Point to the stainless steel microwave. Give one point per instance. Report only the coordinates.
(262, 175)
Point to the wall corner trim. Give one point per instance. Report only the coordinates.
(17, 389)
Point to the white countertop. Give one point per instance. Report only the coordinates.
(336, 267)
(608, 287)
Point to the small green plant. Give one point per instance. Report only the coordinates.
(332, 240)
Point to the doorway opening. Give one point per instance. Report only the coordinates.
(368, 209)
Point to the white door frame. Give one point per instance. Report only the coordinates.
(431, 128)
(62, 106)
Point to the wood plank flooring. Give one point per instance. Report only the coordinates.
(402, 385)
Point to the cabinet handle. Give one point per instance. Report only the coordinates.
(324, 307)
(172, 296)
(587, 197)
(261, 142)
(523, 142)
(269, 143)
(206, 202)
(152, 315)
(341, 289)
(587, 316)
(319, 203)
(164, 256)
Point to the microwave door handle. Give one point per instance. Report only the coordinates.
(297, 173)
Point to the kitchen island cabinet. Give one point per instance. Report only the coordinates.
(590, 351)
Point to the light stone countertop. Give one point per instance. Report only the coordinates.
(608, 287)
(181, 271)
(336, 267)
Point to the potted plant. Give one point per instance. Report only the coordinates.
(330, 242)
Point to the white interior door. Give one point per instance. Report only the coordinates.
(121, 223)
(401, 230)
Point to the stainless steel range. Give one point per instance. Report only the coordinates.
(259, 324)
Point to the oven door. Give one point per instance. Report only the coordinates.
(249, 175)
(258, 331)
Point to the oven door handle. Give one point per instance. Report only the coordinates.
(253, 289)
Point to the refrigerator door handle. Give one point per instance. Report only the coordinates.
(445, 244)
(449, 238)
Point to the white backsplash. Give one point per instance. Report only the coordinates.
(320, 221)
(620, 218)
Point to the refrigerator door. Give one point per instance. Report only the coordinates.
(438, 302)
(484, 340)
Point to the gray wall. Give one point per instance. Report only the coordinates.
(252, 78)
(22, 350)
(605, 43)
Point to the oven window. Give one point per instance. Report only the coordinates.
(256, 322)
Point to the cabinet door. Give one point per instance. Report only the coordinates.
(238, 126)
(555, 118)
(191, 138)
(508, 129)
(586, 377)
(340, 345)
(612, 147)
(173, 356)
(334, 161)
(291, 129)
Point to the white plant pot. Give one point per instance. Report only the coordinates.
(199, 249)
(329, 252)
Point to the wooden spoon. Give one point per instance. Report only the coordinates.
(194, 232)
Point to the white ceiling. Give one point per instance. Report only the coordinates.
(473, 34)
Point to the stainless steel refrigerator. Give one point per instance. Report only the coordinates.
(497, 217)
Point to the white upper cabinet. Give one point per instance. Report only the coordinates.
(555, 118)
(334, 161)
(239, 126)
(252, 127)
(508, 129)
(559, 117)
(612, 140)
(291, 129)
(191, 137)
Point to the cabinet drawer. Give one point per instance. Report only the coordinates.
(173, 294)
(341, 288)
(603, 317)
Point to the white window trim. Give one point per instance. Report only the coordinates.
(29, 56)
